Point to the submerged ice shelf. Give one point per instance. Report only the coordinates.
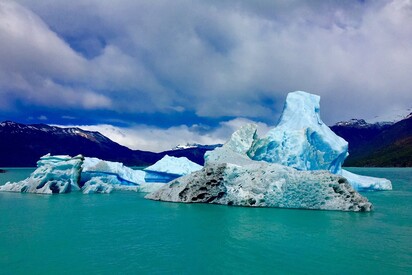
(366, 183)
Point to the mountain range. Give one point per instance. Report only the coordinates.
(22, 145)
(370, 144)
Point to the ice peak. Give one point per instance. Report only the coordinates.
(302, 108)
(301, 140)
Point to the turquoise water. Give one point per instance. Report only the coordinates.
(123, 233)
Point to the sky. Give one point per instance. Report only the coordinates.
(154, 74)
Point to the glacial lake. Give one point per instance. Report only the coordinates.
(123, 233)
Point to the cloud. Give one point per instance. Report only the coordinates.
(151, 138)
(39, 68)
(217, 59)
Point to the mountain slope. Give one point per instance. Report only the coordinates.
(376, 144)
(23, 145)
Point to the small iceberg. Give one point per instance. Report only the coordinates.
(54, 175)
(170, 168)
(365, 183)
(64, 174)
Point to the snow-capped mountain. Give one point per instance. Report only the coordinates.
(361, 123)
(391, 116)
(195, 145)
(23, 145)
(16, 128)
(353, 123)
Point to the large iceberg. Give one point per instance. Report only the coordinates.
(261, 184)
(170, 168)
(54, 174)
(231, 177)
(236, 155)
(301, 140)
(298, 164)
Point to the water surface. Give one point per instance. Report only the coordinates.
(124, 233)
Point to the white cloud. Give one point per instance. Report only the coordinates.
(39, 68)
(151, 138)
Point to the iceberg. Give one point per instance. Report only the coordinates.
(235, 149)
(298, 164)
(263, 184)
(365, 183)
(170, 168)
(101, 176)
(54, 175)
(301, 140)
(115, 171)
(97, 185)
(64, 174)
(105, 185)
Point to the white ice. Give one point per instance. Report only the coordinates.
(365, 183)
(94, 167)
(54, 174)
(173, 165)
(301, 140)
(170, 168)
(262, 184)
